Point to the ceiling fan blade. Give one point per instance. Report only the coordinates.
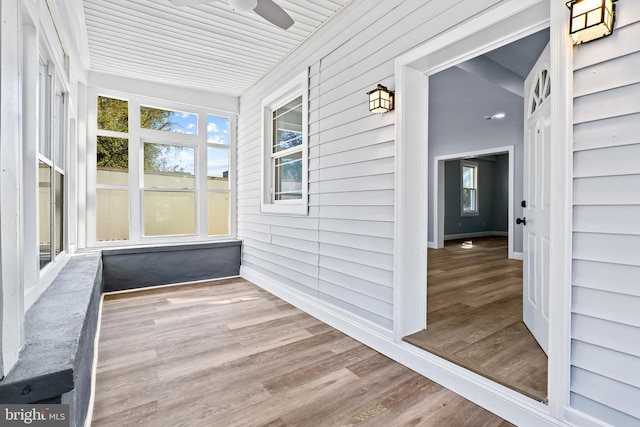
(273, 13)
(188, 2)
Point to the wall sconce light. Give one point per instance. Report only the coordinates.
(380, 100)
(591, 19)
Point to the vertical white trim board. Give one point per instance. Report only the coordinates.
(439, 190)
(509, 21)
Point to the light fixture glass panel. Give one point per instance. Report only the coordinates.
(593, 17)
(584, 6)
(579, 22)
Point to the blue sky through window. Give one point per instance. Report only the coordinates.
(217, 133)
(217, 130)
(184, 123)
(217, 162)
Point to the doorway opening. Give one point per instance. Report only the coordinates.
(477, 125)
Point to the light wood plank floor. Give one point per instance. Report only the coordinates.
(227, 353)
(474, 315)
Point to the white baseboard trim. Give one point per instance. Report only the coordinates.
(94, 365)
(576, 418)
(431, 245)
(336, 317)
(518, 255)
(476, 234)
(504, 402)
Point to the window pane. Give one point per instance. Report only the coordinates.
(112, 215)
(467, 177)
(59, 130)
(217, 130)
(169, 166)
(217, 168)
(218, 212)
(288, 177)
(169, 213)
(112, 161)
(167, 120)
(59, 212)
(113, 114)
(44, 88)
(469, 200)
(44, 213)
(287, 125)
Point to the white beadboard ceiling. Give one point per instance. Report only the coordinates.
(209, 46)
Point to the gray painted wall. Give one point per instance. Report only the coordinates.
(493, 193)
(605, 346)
(458, 102)
(501, 193)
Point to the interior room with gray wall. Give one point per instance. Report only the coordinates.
(493, 198)
(460, 100)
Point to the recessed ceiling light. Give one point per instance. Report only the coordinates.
(496, 116)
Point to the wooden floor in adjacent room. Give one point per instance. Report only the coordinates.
(227, 353)
(474, 315)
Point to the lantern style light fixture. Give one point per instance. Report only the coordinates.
(380, 100)
(591, 19)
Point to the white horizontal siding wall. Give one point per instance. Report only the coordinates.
(342, 252)
(605, 372)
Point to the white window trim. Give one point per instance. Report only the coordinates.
(476, 166)
(297, 86)
(26, 36)
(411, 212)
(137, 136)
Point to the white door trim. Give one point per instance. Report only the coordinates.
(438, 196)
(489, 30)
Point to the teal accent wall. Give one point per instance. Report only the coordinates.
(493, 197)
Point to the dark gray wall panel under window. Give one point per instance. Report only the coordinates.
(133, 268)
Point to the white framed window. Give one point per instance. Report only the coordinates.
(51, 153)
(469, 187)
(285, 149)
(169, 189)
(163, 172)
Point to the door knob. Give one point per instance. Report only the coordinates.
(522, 221)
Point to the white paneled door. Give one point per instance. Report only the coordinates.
(536, 203)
